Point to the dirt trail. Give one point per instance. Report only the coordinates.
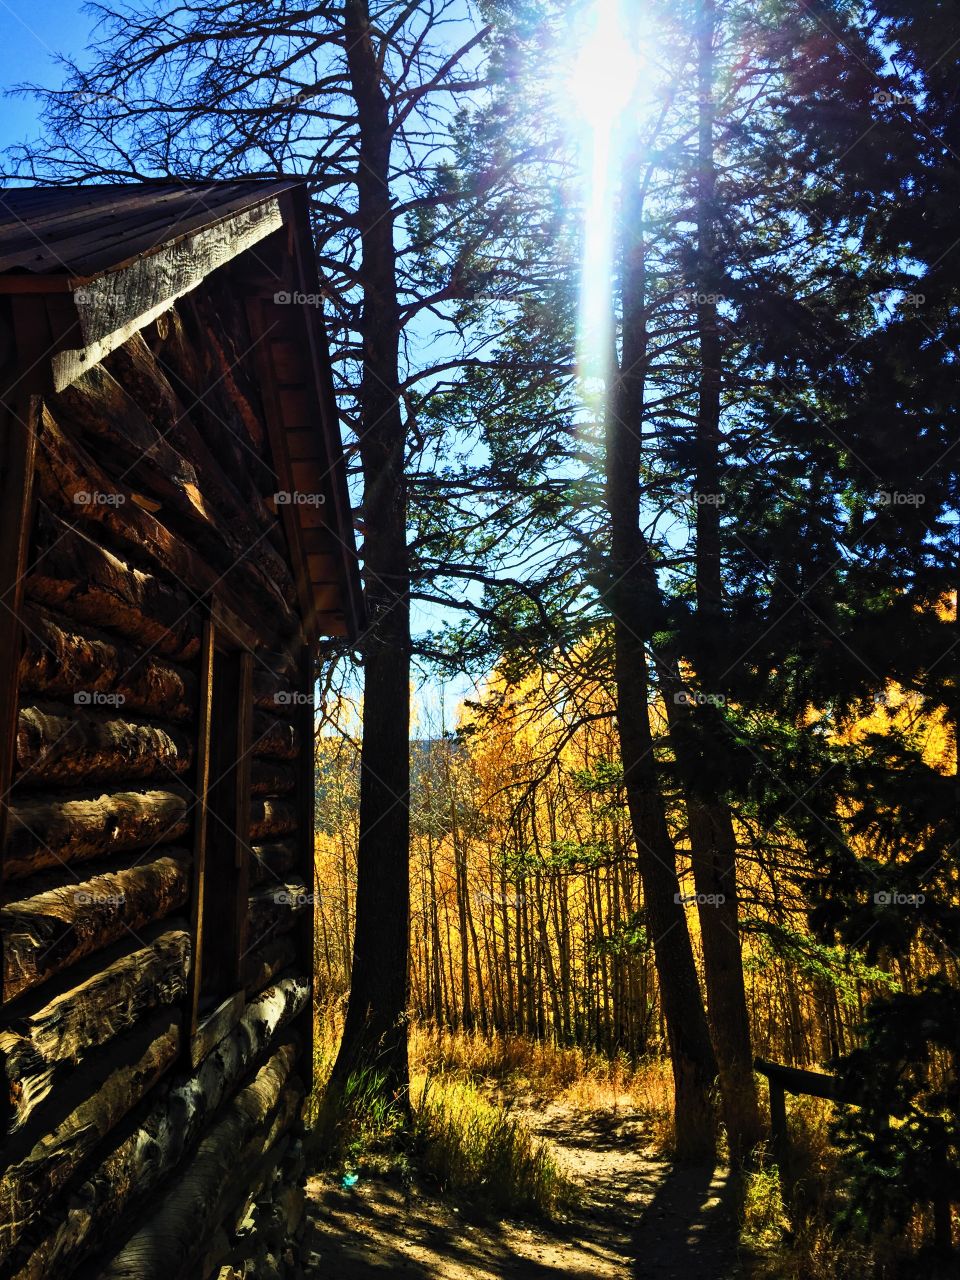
(639, 1219)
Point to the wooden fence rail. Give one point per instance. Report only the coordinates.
(783, 1080)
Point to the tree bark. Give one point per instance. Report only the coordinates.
(375, 1030)
(712, 836)
(635, 606)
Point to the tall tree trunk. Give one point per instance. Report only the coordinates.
(635, 606)
(460, 869)
(375, 1030)
(713, 841)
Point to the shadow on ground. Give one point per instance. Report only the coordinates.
(639, 1219)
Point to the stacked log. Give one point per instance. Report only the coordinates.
(130, 1172)
(55, 831)
(90, 1105)
(270, 819)
(215, 1178)
(71, 573)
(60, 659)
(45, 933)
(155, 512)
(56, 744)
(88, 1010)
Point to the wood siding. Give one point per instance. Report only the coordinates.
(148, 534)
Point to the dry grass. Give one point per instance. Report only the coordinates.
(544, 1072)
(461, 1137)
(794, 1233)
(468, 1143)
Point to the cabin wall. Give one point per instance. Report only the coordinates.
(135, 1094)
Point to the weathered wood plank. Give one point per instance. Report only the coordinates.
(205, 1190)
(45, 933)
(262, 965)
(129, 1173)
(275, 738)
(271, 818)
(72, 573)
(89, 1106)
(114, 305)
(39, 1046)
(56, 745)
(49, 831)
(60, 659)
(271, 862)
(796, 1080)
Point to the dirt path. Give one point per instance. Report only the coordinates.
(639, 1219)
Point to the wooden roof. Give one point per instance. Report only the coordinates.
(82, 232)
(104, 261)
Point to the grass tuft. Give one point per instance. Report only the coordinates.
(471, 1144)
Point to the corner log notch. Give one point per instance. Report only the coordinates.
(170, 587)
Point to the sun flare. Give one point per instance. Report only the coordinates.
(601, 85)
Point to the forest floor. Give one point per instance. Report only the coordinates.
(637, 1216)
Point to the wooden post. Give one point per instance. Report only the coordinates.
(778, 1125)
(202, 784)
(306, 814)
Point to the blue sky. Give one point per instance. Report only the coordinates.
(32, 33)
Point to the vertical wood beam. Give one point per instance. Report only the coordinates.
(201, 786)
(306, 821)
(242, 820)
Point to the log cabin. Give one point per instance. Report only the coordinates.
(175, 540)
